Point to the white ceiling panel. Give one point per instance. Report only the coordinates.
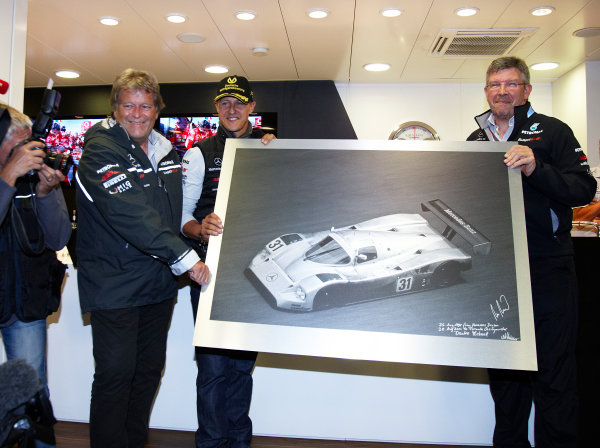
(67, 35)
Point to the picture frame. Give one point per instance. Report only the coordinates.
(325, 188)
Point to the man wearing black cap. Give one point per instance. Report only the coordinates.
(224, 382)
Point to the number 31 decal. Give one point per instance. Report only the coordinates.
(275, 244)
(404, 284)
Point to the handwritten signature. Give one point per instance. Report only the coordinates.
(472, 329)
(501, 306)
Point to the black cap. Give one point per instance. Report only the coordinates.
(235, 86)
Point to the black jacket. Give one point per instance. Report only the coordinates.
(212, 150)
(128, 221)
(31, 230)
(560, 181)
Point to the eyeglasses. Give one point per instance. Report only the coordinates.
(511, 85)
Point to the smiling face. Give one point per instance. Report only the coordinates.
(136, 112)
(233, 114)
(505, 90)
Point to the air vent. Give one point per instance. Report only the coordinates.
(478, 43)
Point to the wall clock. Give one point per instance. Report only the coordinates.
(414, 130)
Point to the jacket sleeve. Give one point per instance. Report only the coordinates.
(54, 219)
(106, 178)
(6, 194)
(193, 179)
(563, 175)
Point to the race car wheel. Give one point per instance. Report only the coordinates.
(445, 274)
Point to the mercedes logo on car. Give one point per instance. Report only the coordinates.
(272, 277)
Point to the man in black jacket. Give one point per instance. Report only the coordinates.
(130, 251)
(224, 382)
(555, 177)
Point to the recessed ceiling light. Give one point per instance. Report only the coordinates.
(391, 12)
(377, 67)
(592, 31)
(317, 13)
(541, 10)
(109, 21)
(216, 69)
(466, 11)
(175, 17)
(260, 51)
(544, 66)
(190, 38)
(246, 15)
(66, 74)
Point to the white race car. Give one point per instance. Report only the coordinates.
(382, 257)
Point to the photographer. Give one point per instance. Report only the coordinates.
(34, 223)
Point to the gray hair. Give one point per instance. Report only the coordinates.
(507, 62)
(138, 80)
(18, 121)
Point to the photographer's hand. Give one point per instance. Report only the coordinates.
(49, 179)
(23, 159)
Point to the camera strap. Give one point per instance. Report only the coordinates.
(28, 248)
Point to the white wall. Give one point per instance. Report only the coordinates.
(592, 80)
(377, 109)
(570, 103)
(13, 38)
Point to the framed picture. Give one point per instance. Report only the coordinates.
(377, 250)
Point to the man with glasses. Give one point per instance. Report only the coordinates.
(556, 177)
(224, 382)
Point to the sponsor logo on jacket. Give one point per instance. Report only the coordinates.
(114, 180)
(109, 174)
(533, 131)
(134, 162)
(529, 139)
(107, 167)
(121, 187)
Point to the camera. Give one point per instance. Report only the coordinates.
(41, 128)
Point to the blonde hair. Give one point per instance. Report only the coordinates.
(138, 80)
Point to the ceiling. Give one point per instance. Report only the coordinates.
(66, 34)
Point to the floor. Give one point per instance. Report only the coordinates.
(75, 435)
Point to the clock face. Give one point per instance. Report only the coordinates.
(414, 130)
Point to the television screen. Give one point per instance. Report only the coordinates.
(66, 137)
(66, 134)
(185, 130)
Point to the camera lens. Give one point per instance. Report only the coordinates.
(58, 161)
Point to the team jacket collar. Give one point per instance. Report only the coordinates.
(521, 114)
(224, 134)
(161, 145)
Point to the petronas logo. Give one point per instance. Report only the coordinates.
(231, 80)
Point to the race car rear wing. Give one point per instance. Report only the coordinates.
(455, 224)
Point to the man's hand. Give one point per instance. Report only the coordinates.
(49, 179)
(211, 225)
(199, 273)
(267, 138)
(23, 159)
(520, 156)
